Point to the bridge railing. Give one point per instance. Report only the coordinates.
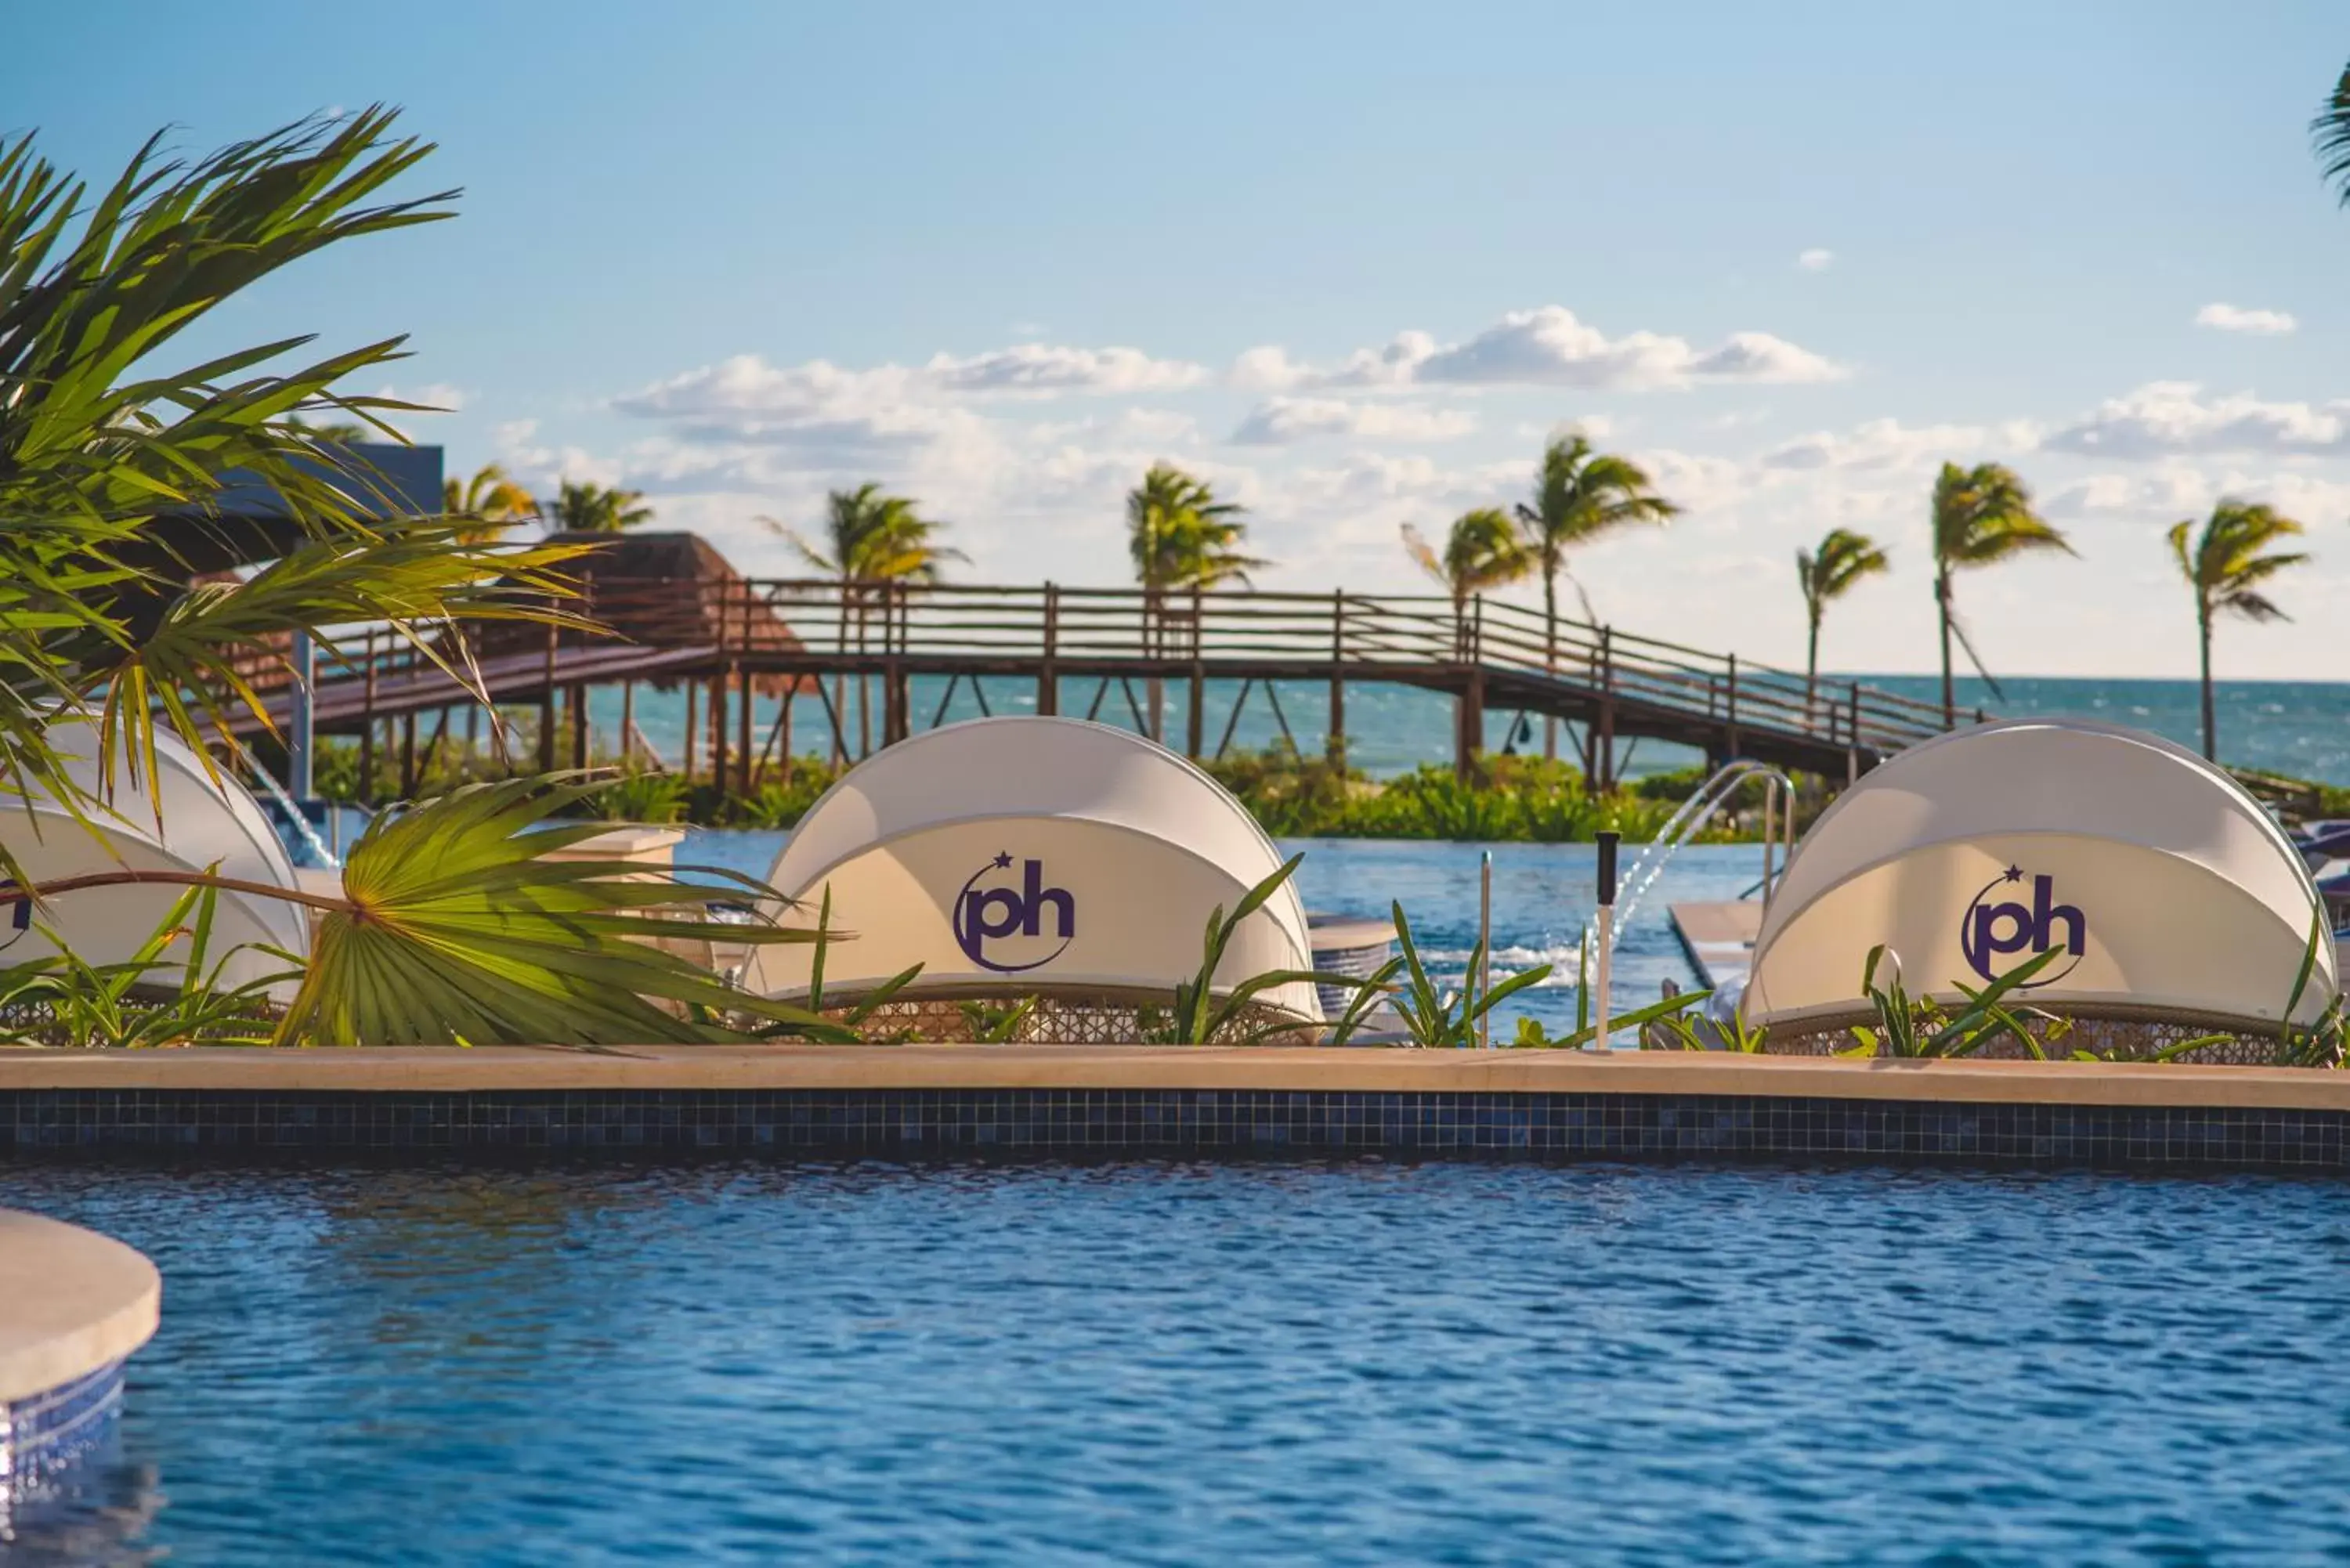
(1169, 634)
(1175, 629)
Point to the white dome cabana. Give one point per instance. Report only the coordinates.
(2172, 895)
(204, 822)
(1031, 855)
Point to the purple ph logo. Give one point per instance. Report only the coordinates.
(1992, 930)
(999, 917)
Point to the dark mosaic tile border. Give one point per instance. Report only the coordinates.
(61, 1123)
(42, 1435)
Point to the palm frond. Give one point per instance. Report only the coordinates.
(2329, 135)
(459, 925)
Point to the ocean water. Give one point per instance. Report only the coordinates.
(1179, 1363)
(2300, 729)
(1543, 897)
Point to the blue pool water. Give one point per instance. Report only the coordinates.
(1542, 898)
(1148, 1363)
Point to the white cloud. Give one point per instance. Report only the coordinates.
(2167, 418)
(1816, 260)
(2229, 318)
(2171, 491)
(747, 387)
(1041, 370)
(1889, 443)
(1543, 348)
(2176, 490)
(1278, 421)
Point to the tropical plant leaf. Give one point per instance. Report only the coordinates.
(457, 926)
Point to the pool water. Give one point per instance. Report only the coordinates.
(1175, 1363)
(1543, 895)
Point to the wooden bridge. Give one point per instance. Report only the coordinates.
(723, 640)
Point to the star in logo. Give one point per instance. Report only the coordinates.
(2014, 873)
(1002, 860)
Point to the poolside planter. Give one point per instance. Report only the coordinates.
(1051, 855)
(2167, 893)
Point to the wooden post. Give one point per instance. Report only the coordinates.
(576, 703)
(1852, 738)
(783, 729)
(408, 754)
(1471, 710)
(901, 689)
(1333, 743)
(367, 719)
(742, 725)
(627, 717)
(720, 773)
(1195, 735)
(547, 707)
(692, 723)
(1604, 749)
(1048, 675)
(1730, 736)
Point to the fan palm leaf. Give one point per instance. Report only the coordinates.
(458, 924)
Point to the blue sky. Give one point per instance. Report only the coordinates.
(1353, 264)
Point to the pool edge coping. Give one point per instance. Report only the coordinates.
(1304, 1069)
(72, 1302)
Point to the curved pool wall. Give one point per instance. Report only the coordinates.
(74, 1305)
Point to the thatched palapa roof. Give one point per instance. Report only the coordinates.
(664, 590)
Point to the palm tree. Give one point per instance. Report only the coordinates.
(1180, 536)
(869, 538)
(486, 505)
(597, 509)
(2329, 135)
(1982, 515)
(1579, 495)
(2225, 569)
(1483, 550)
(1843, 557)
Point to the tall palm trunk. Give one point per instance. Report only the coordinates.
(1949, 690)
(1811, 664)
(1550, 653)
(2210, 719)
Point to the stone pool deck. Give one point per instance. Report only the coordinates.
(912, 1100)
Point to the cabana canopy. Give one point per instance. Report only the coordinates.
(204, 823)
(1050, 856)
(2171, 893)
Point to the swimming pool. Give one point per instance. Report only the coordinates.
(1177, 1363)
